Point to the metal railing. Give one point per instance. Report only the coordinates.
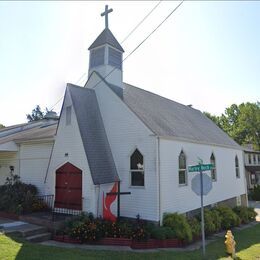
(60, 212)
(46, 202)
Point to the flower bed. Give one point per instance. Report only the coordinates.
(177, 230)
(168, 243)
(9, 215)
(134, 244)
(149, 244)
(117, 241)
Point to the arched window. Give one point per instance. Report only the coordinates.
(182, 169)
(237, 167)
(213, 170)
(137, 168)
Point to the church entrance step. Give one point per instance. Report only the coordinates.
(44, 220)
(39, 237)
(34, 231)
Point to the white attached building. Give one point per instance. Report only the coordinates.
(25, 150)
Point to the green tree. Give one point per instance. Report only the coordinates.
(37, 114)
(1, 126)
(241, 122)
(214, 118)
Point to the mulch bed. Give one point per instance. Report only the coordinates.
(149, 244)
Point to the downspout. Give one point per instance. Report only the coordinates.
(159, 176)
(98, 198)
(19, 160)
(46, 175)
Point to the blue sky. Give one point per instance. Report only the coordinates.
(207, 53)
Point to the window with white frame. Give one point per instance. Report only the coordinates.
(68, 115)
(182, 169)
(254, 158)
(237, 167)
(213, 170)
(137, 168)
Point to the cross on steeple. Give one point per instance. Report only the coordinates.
(107, 11)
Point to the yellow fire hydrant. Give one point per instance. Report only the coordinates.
(230, 244)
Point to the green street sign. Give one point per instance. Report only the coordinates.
(200, 168)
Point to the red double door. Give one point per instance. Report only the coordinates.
(68, 189)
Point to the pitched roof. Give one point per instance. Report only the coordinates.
(41, 129)
(93, 134)
(106, 37)
(169, 118)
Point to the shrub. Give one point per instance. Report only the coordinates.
(116, 229)
(216, 218)
(169, 233)
(179, 225)
(74, 222)
(210, 226)
(38, 205)
(16, 196)
(254, 194)
(87, 231)
(159, 232)
(229, 217)
(245, 214)
(195, 227)
(140, 232)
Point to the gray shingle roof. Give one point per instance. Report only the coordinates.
(41, 129)
(106, 37)
(168, 118)
(94, 138)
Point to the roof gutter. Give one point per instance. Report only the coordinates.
(181, 139)
(35, 140)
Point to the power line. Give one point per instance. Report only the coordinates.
(144, 40)
(156, 28)
(141, 22)
(80, 78)
(56, 103)
(148, 36)
(131, 32)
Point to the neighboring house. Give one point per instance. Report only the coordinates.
(110, 132)
(25, 150)
(252, 167)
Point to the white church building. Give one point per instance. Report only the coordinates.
(112, 132)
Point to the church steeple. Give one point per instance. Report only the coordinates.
(106, 55)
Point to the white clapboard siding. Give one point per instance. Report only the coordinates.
(34, 159)
(68, 141)
(126, 132)
(176, 198)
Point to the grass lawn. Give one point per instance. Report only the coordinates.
(248, 247)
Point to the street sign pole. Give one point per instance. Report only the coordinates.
(202, 215)
(201, 191)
